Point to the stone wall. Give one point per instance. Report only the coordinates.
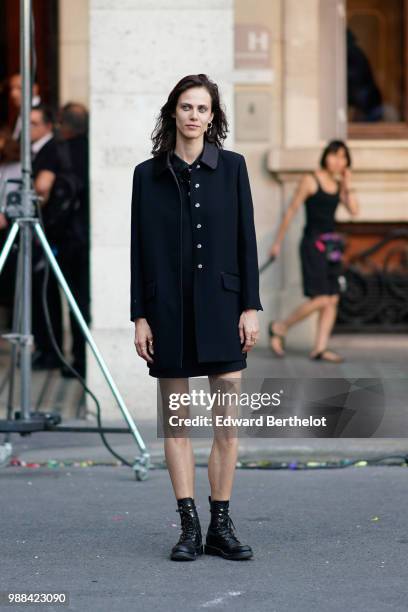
(138, 51)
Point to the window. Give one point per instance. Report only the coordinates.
(46, 39)
(377, 56)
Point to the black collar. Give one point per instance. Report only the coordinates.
(209, 157)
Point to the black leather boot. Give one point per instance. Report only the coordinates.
(221, 539)
(190, 543)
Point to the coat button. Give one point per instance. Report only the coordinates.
(198, 246)
(198, 225)
(198, 166)
(199, 265)
(197, 205)
(197, 185)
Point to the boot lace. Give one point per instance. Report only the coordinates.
(225, 526)
(189, 527)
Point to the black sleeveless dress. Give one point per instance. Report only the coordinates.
(190, 365)
(319, 276)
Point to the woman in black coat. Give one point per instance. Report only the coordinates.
(195, 287)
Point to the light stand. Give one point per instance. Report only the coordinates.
(25, 220)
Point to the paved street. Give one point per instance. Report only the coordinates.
(323, 540)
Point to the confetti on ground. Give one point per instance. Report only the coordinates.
(242, 464)
(53, 463)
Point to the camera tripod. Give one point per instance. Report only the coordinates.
(26, 421)
(21, 208)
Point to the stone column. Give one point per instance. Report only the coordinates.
(138, 51)
(301, 73)
(74, 51)
(300, 128)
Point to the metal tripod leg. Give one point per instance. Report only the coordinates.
(16, 330)
(8, 244)
(25, 337)
(6, 448)
(16, 324)
(87, 334)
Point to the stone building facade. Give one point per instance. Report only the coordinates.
(281, 68)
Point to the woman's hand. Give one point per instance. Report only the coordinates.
(248, 329)
(143, 339)
(274, 250)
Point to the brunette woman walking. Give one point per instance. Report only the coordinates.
(320, 248)
(195, 289)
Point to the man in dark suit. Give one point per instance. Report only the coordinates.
(45, 166)
(74, 251)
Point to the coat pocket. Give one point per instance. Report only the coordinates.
(150, 290)
(231, 282)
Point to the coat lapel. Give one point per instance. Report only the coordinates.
(209, 157)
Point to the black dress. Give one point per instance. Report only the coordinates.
(320, 277)
(190, 365)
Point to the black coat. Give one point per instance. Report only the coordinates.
(226, 276)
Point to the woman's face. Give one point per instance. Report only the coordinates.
(336, 162)
(193, 112)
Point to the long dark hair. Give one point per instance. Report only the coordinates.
(332, 147)
(164, 133)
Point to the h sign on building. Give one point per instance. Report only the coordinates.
(252, 65)
(252, 46)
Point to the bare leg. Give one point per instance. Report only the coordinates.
(178, 450)
(224, 452)
(305, 309)
(327, 318)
